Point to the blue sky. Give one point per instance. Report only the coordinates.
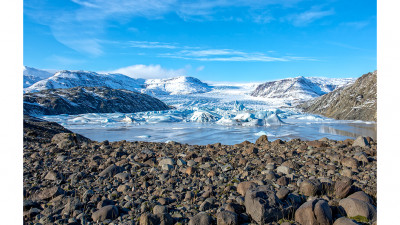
(220, 40)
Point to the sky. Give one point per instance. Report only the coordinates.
(214, 40)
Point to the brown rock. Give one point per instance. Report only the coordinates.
(310, 187)
(343, 187)
(244, 186)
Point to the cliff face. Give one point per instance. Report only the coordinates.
(355, 102)
(80, 100)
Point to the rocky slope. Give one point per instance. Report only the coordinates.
(355, 102)
(73, 180)
(80, 100)
(300, 88)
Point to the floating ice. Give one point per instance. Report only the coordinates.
(203, 117)
(227, 121)
(244, 117)
(273, 120)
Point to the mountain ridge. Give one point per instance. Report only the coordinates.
(354, 102)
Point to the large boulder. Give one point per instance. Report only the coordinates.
(314, 212)
(343, 187)
(106, 212)
(310, 187)
(354, 207)
(227, 218)
(262, 140)
(201, 218)
(264, 206)
(360, 195)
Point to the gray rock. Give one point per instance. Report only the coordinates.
(166, 161)
(360, 195)
(263, 205)
(111, 171)
(343, 187)
(284, 169)
(201, 218)
(361, 141)
(355, 207)
(244, 186)
(310, 187)
(314, 212)
(48, 193)
(159, 209)
(227, 218)
(106, 212)
(282, 193)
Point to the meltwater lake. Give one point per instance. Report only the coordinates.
(114, 127)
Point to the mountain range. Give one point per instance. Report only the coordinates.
(299, 88)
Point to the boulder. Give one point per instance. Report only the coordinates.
(244, 186)
(106, 212)
(111, 171)
(48, 193)
(201, 218)
(284, 169)
(343, 187)
(227, 218)
(264, 206)
(316, 211)
(350, 162)
(360, 195)
(361, 142)
(310, 187)
(354, 207)
(262, 140)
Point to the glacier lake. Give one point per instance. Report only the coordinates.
(192, 127)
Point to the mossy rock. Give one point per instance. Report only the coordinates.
(361, 219)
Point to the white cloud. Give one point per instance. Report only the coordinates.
(151, 44)
(200, 68)
(228, 55)
(148, 71)
(81, 29)
(307, 17)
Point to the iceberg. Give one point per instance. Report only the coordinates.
(202, 117)
(273, 120)
(244, 117)
(227, 121)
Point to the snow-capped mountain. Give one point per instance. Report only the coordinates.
(79, 100)
(175, 86)
(32, 75)
(69, 79)
(299, 88)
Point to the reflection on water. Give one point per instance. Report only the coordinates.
(202, 134)
(352, 130)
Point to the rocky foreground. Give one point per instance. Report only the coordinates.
(69, 179)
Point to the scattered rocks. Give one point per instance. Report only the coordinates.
(172, 183)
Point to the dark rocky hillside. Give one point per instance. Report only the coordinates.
(355, 102)
(80, 100)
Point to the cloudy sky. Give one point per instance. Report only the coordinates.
(219, 40)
